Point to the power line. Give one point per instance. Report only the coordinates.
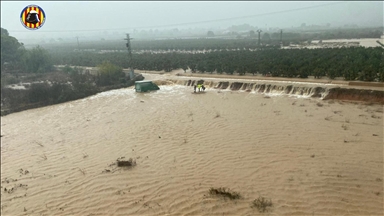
(193, 23)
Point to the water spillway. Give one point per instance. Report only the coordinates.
(322, 91)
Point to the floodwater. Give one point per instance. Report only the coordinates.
(308, 156)
(365, 42)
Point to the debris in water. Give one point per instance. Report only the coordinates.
(106, 170)
(225, 192)
(128, 163)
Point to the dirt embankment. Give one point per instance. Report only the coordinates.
(365, 95)
(50, 93)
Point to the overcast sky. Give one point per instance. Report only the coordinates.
(123, 16)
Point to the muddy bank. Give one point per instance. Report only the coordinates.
(373, 96)
(45, 94)
(322, 91)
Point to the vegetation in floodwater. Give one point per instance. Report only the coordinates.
(262, 204)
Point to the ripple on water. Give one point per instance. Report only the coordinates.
(254, 146)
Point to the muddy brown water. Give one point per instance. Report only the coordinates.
(307, 155)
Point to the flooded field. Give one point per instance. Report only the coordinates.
(365, 42)
(308, 156)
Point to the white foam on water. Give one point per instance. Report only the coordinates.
(113, 93)
(167, 91)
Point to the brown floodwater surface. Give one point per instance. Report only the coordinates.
(309, 156)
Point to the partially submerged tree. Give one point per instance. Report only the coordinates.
(109, 74)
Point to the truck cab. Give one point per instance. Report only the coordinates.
(146, 85)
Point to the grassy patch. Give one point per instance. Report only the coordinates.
(224, 192)
(262, 204)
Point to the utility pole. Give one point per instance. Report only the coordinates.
(281, 36)
(128, 44)
(78, 46)
(259, 31)
(382, 45)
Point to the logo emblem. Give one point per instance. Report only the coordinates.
(32, 17)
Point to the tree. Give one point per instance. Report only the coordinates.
(37, 60)
(202, 66)
(11, 49)
(4, 32)
(266, 37)
(252, 34)
(332, 73)
(210, 34)
(381, 74)
(184, 66)
(109, 74)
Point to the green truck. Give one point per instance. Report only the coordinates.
(146, 85)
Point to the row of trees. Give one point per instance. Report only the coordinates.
(166, 45)
(249, 41)
(344, 34)
(34, 64)
(351, 63)
(355, 63)
(15, 58)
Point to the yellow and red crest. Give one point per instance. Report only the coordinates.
(32, 17)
